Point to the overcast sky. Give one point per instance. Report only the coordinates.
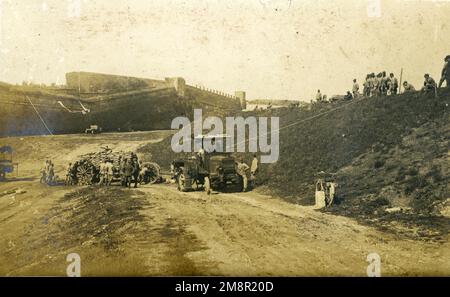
(271, 49)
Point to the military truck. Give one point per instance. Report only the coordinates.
(93, 129)
(209, 170)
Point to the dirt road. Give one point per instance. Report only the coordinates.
(156, 230)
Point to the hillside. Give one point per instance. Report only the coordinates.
(386, 152)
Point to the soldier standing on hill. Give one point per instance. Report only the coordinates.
(355, 89)
(429, 84)
(393, 84)
(408, 87)
(319, 96)
(366, 85)
(445, 74)
(383, 84)
(376, 85)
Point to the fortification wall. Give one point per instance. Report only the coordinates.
(211, 100)
(131, 104)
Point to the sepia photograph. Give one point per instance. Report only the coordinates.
(245, 138)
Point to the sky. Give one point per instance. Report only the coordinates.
(278, 49)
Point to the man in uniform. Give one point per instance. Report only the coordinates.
(242, 171)
(355, 89)
(319, 96)
(445, 74)
(408, 87)
(102, 173)
(429, 84)
(383, 83)
(366, 87)
(393, 84)
(348, 96)
(69, 180)
(376, 84)
(51, 174)
(128, 171)
(136, 171)
(254, 170)
(109, 172)
(123, 163)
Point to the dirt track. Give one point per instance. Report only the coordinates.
(156, 230)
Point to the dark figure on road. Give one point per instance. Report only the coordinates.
(128, 172)
(136, 171)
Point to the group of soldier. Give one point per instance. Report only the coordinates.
(242, 170)
(383, 85)
(48, 173)
(376, 85)
(129, 171)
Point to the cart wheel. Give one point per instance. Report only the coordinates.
(207, 185)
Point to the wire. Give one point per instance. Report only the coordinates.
(42, 120)
(304, 120)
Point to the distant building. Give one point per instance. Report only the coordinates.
(241, 96)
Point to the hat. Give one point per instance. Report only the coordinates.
(447, 58)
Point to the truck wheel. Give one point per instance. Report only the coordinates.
(181, 183)
(207, 185)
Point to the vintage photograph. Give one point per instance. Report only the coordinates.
(224, 138)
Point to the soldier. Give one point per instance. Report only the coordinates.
(408, 87)
(392, 84)
(348, 96)
(135, 172)
(128, 172)
(429, 84)
(102, 173)
(445, 74)
(319, 96)
(44, 172)
(372, 84)
(355, 89)
(366, 87)
(242, 171)
(69, 179)
(254, 170)
(376, 82)
(109, 172)
(383, 83)
(144, 169)
(51, 174)
(123, 179)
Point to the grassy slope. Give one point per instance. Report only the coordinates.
(385, 151)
